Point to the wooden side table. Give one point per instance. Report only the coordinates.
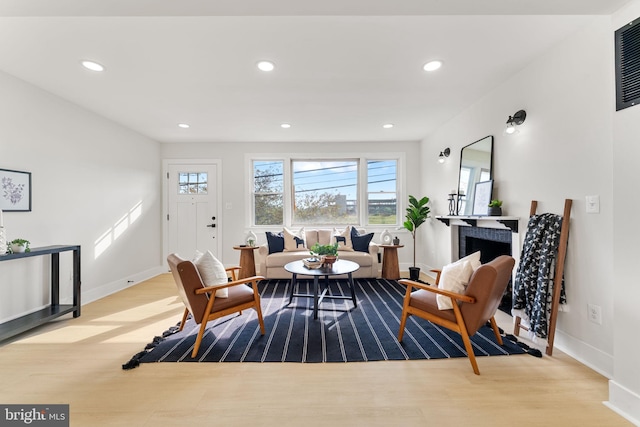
(247, 261)
(390, 267)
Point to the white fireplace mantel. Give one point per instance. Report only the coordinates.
(499, 222)
(510, 222)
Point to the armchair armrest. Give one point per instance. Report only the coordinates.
(234, 272)
(453, 295)
(438, 273)
(209, 289)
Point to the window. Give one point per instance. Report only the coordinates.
(325, 191)
(382, 196)
(268, 196)
(192, 183)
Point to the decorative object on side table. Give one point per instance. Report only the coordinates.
(251, 238)
(328, 254)
(396, 241)
(19, 246)
(495, 208)
(417, 214)
(385, 237)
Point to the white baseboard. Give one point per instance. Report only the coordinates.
(624, 402)
(118, 285)
(584, 353)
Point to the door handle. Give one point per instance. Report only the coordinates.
(211, 225)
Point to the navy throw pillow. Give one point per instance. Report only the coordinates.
(275, 242)
(360, 242)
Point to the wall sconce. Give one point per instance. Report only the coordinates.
(516, 120)
(444, 154)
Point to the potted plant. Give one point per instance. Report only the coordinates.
(417, 214)
(495, 208)
(19, 245)
(328, 254)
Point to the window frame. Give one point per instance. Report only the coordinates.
(362, 190)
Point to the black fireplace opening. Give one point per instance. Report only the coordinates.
(491, 243)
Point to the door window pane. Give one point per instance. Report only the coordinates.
(192, 183)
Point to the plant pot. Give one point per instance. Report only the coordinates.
(414, 273)
(328, 260)
(495, 211)
(17, 249)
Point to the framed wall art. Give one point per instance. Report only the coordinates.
(482, 197)
(15, 191)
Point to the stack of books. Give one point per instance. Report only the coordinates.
(312, 263)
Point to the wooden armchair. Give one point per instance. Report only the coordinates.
(471, 310)
(201, 301)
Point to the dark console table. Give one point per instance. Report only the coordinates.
(55, 309)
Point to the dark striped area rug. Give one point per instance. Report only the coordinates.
(341, 333)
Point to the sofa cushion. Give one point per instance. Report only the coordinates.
(275, 242)
(280, 259)
(294, 240)
(343, 238)
(325, 237)
(360, 241)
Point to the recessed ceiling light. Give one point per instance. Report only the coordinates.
(432, 65)
(93, 66)
(285, 125)
(387, 125)
(266, 65)
(183, 125)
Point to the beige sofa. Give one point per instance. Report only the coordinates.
(272, 265)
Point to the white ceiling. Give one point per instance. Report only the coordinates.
(343, 68)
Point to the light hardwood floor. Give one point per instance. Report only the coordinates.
(78, 361)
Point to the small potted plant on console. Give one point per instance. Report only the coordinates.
(19, 246)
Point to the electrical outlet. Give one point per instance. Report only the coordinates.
(593, 204)
(594, 312)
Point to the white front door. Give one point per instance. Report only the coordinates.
(192, 209)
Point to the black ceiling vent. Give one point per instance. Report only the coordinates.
(628, 65)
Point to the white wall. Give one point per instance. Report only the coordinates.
(234, 223)
(571, 145)
(624, 388)
(92, 181)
